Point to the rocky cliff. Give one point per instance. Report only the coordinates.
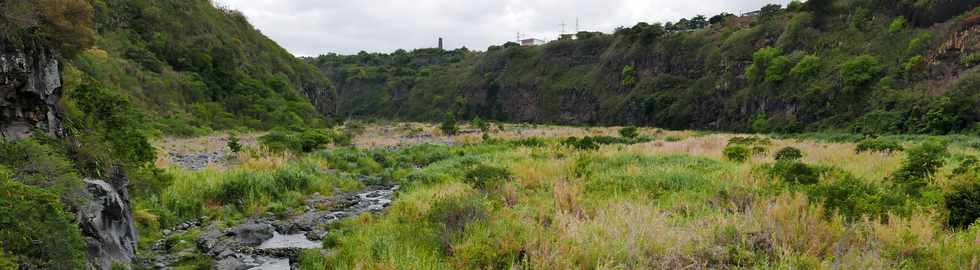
(30, 87)
(30, 96)
(107, 222)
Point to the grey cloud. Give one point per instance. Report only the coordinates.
(313, 27)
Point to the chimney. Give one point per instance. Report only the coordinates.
(440, 43)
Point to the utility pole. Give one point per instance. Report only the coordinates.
(576, 26)
(563, 27)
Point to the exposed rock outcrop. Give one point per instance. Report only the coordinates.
(30, 93)
(107, 222)
(30, 87)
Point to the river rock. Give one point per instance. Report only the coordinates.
(253, 234)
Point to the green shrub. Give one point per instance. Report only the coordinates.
(484, 126)
(853, 198)
(920, 164)
(897, 25)
(301, 140)
(795, 172)
(807, 68)
(37, 231)
(761, 60)
(737, 153)
(629, 132)
(778, 69)
(448, 125)
(789, 154)
(970, 164)
(963, 204)
(234, 144)
(485, 177)
(587, 143)
(859, 72)
(113, 120)
(42, 166)
(879, 146)
(914, 65)
(629, 76)
(749, 141)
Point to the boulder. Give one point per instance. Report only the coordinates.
(253, 234)
(107, 222)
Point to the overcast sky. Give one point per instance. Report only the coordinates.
(314, 27)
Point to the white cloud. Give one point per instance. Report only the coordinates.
(313, 27)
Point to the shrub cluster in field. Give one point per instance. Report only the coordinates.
(741, 149)
(303, 140)
(629, 135)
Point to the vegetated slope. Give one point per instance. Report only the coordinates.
(195, 66)
(863, 66)
(125, 71)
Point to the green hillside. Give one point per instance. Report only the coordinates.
(861, 66)
(192, 66)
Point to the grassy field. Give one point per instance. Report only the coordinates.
(524, 197)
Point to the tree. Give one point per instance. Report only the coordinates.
(720, 18)
(859, 72)
(806, 68)
(629, 76)
(699, 21)
(111, 119)
(65, 25)
(448, 126)
(770, 10)
(761, 60)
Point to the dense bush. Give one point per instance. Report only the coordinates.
(586, 143)
(448, 125)
(63, 24)
(854, 198)
(897, 25)
(963, 204)
(43, 167)
(484, 126)
(969, 164)
(37, 231)
(303, 140)
(629, 132)
(113, 119)
(796, 172)
(485, 177)
(878, 145)
(789, 154)
(737, 153)
(234, 144)
(920, 164)
(859, 72)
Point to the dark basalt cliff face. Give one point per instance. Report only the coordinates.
(30, 96)
(30, 87)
